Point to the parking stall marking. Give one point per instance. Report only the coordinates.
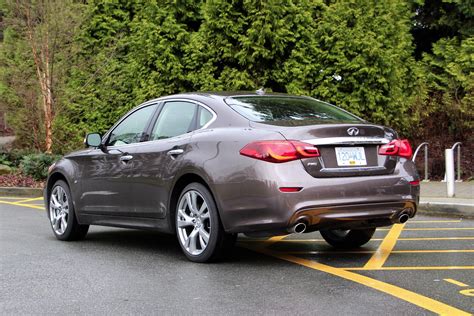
(435, 221)
(379, 257)
(387, 245)
(393, 290)
(467, 292)
(38, 207)
(456, 282)
(23, 201)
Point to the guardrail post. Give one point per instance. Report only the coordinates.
(459, 164)
(449, 153)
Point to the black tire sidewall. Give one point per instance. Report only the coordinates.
(217, 233)
(355, 238)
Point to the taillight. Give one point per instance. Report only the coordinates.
(279, 150)
(397, 147)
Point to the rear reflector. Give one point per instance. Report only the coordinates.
(397, 147)
(290, 189)
(278, 151)
(415, 183)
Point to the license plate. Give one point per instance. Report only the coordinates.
(350, 156)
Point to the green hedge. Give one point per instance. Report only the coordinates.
(36, 165)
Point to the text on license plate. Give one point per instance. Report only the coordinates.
(350, 156)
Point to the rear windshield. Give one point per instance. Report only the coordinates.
(283, 110)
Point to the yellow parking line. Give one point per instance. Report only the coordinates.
(433, 251)
(401, 293)
(295, 240)
(442, 228)
(440, 221)
(456, 282)
(373, 239)
(436, 238)
(413, 268)
(26, 205)
(315, 252)
(29, 200)
(381, 255)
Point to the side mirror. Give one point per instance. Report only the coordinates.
(93, 140)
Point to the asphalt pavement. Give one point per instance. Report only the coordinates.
(422, 267)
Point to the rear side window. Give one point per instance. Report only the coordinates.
(176, 118)
(280, 109)
(204, 117)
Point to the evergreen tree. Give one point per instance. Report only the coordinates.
(359, 56)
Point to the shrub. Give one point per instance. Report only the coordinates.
(36, 165)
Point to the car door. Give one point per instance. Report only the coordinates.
(157, 161)
(106, 173)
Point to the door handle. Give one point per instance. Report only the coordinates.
(126, 158)
(175, 152)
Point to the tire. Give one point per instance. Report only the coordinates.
(62, 216)
(198, 227)
(352, 238)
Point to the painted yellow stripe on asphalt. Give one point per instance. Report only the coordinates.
(29, 200)
(442, 228)
(25, 205)
(413, 268)
(436, 238)
(373, 239)
(437, 221)
(401, 293)
(295, 240)
(381, 255)
(456, 282)
(315, 252)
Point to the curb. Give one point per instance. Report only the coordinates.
(21, 192)
(447, 209)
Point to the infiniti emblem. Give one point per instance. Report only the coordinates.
(353, 131)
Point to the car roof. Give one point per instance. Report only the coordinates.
(226, 94)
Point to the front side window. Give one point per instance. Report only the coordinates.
(176, 118)
(132, 128)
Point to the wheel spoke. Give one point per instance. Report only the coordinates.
(192, 241)
(63, 222)
(184, 220)
(205, 215)
(204, 235)
(203, 208)
(55, 201)
(56, 223)
(191, 198)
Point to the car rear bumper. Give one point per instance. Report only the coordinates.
(256, 205)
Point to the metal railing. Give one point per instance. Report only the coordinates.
(458, 162)
(425, 145)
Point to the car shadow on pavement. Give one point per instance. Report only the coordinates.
(153, 244)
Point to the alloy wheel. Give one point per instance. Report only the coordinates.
(59, 210)
(193, 222)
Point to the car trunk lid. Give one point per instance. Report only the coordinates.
(346, 149)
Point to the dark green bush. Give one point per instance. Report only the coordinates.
(13, 158)
(36, 165)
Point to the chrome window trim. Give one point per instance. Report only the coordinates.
(347, 141)
(158, 102)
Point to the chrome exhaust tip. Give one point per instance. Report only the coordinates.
(299, 228)
(403, 218)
